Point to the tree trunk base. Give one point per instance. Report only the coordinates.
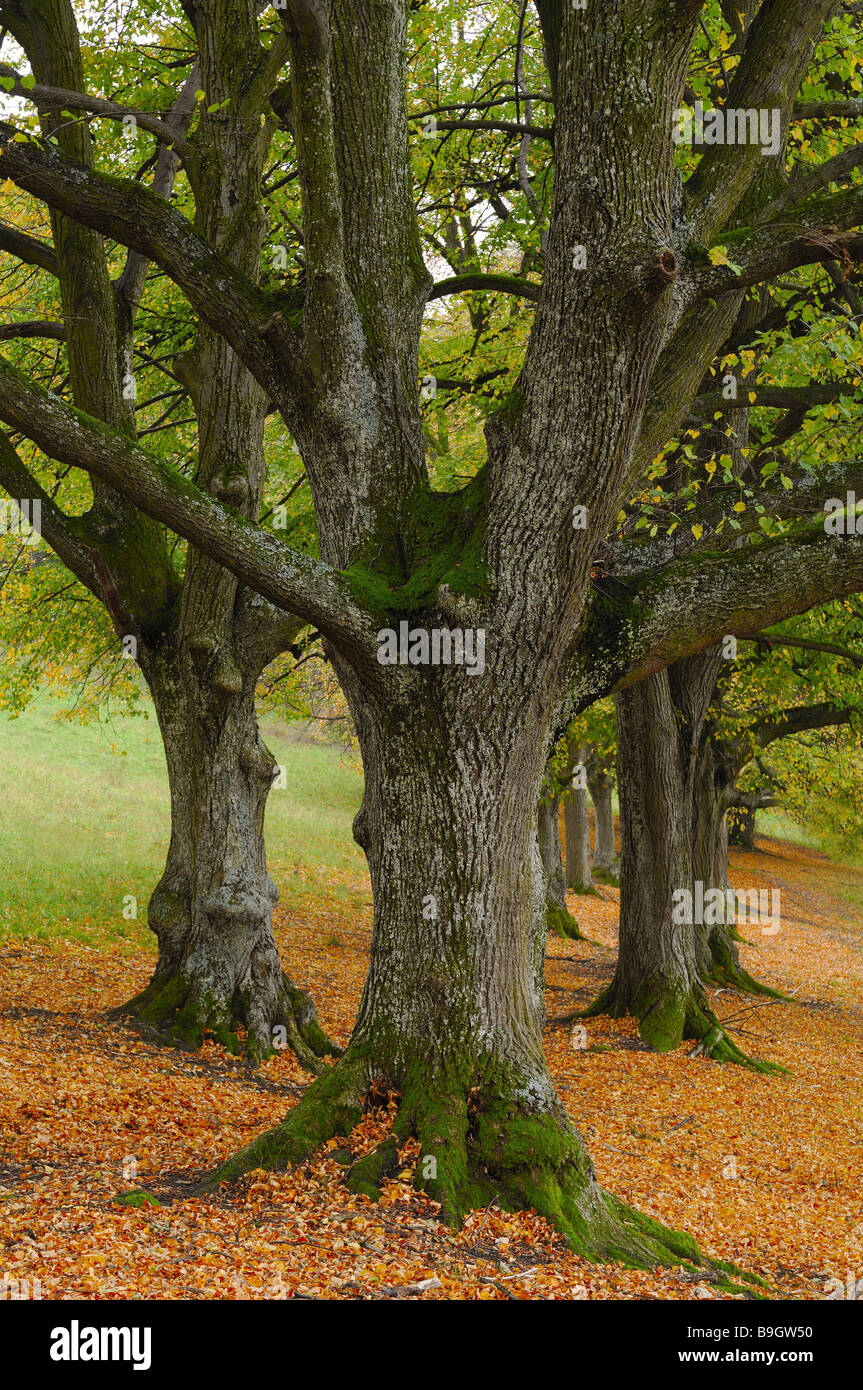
(560, 920)
(479, 1143)
(609, 876)
(668, 1013)
(724, 969)
(179, 1012)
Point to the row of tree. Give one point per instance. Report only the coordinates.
(575, 450)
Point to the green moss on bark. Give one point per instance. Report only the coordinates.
(484, 1135)
(668, 1013)
(559, 920)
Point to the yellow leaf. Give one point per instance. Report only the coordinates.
(739, 507)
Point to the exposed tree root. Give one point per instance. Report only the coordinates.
(479, 1142)
(180, 1013)
(369, 1173)
(332, 1106)
(724, 969)
(667, 1014)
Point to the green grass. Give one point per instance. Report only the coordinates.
(84, 822)
(782, 827)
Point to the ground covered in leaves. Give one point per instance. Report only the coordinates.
(764, 1171)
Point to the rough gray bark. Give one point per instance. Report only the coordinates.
(658, 976)
(218, 969)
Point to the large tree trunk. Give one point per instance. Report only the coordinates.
(577, 829)
(657, 978)
(600, 782)
(451, 1014)
(218, 969)
(716, 944)
(656, 975)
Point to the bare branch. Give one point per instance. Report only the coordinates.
(58, 98)
(34, 328)
(770, 639)
(27, 248)
(488, 284)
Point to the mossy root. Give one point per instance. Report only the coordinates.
(668, 1014)
(177, 1012)
(478, 1143)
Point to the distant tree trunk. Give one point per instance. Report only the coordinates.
(656, 976)
(660, 723)
(577, 828)
(600, 781)
(558, 917)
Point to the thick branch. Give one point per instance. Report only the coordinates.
(57, 98)
(35, 328)
(538, 132)
(636, 627)
(776, 397)
(799, 721)
(28, 249)
(770, 639)
(488, 284)
(774, 62)
(828, 110)
(141, 220)
(286, 577)
(831, 171)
